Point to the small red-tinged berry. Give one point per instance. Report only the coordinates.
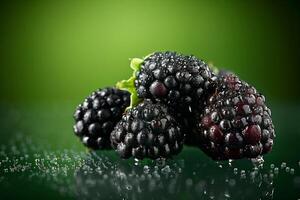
(235, 123)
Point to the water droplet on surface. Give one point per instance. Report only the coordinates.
(136, 162)
(128, 187)
(243, 174)
(235, 171)
(292, 171)
(226, 194)
(287, 169)
(146, 169)
(258, 161)
(179, 170)
(166, 169)
(91, 171)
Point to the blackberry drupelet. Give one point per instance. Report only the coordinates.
(236, 123)
(174, 79)
(147, 131)
(96, 117)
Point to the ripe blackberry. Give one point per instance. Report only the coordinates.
(147, 131)
(173, 79)
(236, 123)
(96, 117)
(178, 81)
(224, 72)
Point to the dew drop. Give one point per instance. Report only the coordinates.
(146, 169)
(258, 161)
(235, 171)
(226, 194)
(292, 171)
(230, 162)
(166, 169)
(128, 187)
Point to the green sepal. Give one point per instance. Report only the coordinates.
(147, 56)
(213, 68)
(135, 64)
(128, 85)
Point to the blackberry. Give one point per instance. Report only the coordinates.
(224, 72)
(236, 123)
(96, 117)
(173, 79)
(147, 131)
(178, 81)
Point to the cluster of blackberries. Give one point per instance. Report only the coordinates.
(174, 100)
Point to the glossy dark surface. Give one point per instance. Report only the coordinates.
(41, 158)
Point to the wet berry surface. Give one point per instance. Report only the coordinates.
(236, 122)
(97, 115)
(147, 131)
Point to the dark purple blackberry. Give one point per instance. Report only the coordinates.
(174, 79)
(224, 72)
(236, 123)
(147, 131)
(96, 117)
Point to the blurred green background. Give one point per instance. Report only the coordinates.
(54, 51)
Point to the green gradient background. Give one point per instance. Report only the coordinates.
(62, 50)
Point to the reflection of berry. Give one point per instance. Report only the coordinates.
(147, 130)
(236, 122)
(96, 117)
(174, 79)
